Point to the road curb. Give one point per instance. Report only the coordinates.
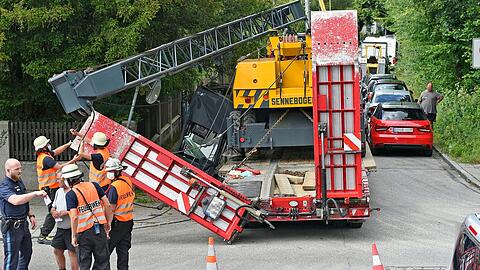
(463, 173)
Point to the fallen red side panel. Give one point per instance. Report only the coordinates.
(337, 102)
(157, 172)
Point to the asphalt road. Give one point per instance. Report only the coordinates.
(422, 204)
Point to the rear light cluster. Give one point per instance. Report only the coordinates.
(390, 129)
(381, 128)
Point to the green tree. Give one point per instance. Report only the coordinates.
(41, 38)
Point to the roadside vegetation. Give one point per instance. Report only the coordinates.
(40, 39)
(436, 45)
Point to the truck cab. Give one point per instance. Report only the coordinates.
(466, 255)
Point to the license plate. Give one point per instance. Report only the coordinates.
(402, 130)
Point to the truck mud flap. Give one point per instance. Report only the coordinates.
(170, 179)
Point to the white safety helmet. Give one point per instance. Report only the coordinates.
(114, 164)
(71, 171)
(40, 142)
(99, 138)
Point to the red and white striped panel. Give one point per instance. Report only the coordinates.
(183, 203)
(351, 142)
(376, 263)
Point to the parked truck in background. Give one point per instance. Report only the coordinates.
(304, 93)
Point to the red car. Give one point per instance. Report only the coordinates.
(400, 125)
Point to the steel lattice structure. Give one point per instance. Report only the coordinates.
(167, 59)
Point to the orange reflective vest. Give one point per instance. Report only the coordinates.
(48, 177)
(89, 209)
(100, 176)
(124, 207)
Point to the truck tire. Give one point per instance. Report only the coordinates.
(249, 118)
(428, 153)
(354, 225)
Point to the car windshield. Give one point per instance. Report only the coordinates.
(390, 87)
(402, 114)
(380, 98)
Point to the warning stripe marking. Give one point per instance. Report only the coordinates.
(183, 203)
(376, 260)
(351, 142)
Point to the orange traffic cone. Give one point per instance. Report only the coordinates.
(377, 265)
(211, 258)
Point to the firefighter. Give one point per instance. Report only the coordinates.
(121, 197)
(47, 169)
(99, 142)
(90, 216)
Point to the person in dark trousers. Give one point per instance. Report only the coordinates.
(47, 169)
(90, 217)
(429, 100)
(15, 209)
(121, 197)
(63, 237)
(99, 156)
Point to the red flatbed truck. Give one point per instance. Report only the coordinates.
(341, 186)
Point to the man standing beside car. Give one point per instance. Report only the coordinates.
(429, 100)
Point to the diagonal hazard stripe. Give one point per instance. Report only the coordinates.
(351, 142)
(183, 203)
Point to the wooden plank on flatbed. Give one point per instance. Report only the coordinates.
(284, 185)
(299, 192)
(309, 181)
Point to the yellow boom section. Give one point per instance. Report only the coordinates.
(281, 80)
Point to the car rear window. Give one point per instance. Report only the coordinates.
(402, 114)
(387, 86)
(380, 98)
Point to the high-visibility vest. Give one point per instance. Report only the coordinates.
(100, 176)
(91, 210)
(48, 177)
(124, 207)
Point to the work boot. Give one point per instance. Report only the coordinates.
(45, 240)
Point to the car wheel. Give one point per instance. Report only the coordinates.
(354, 225)
(375, 151)
(428, 153)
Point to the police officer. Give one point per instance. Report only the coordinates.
(121, 197)
(99, 142)
(15, 209)
(47, 168)
(90, 216)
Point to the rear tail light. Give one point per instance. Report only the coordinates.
(472, 230)
(425, 129)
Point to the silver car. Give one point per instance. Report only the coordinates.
(466, 255)
(386, 95)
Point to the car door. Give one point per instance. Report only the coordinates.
(467, 254)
